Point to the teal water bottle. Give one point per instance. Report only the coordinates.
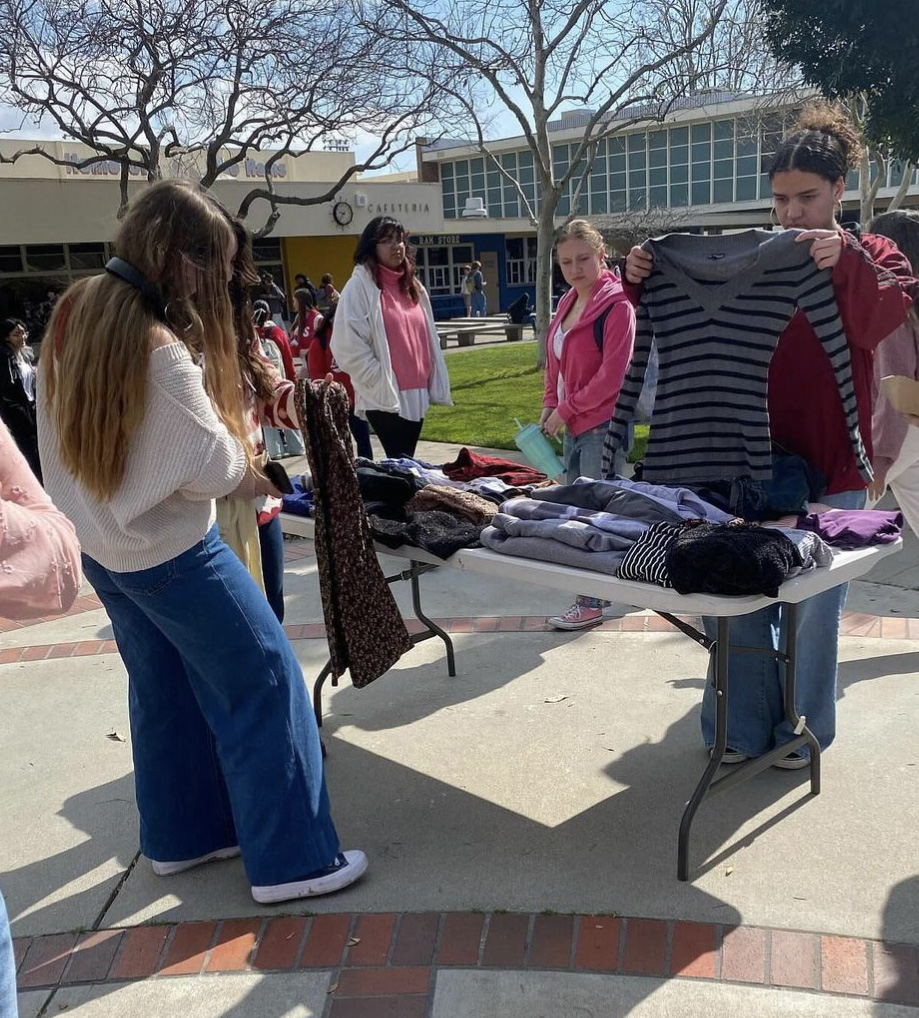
(532, 442)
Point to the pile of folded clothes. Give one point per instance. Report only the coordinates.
(649, 533)
(672, 537)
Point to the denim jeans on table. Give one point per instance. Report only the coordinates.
(7, 967)
(226, 749)
(756, 702)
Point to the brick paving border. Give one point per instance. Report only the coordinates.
(386, 963)
(853, 624)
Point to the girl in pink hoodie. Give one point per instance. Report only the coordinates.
(587, 352)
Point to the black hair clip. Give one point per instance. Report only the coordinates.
(134, 277)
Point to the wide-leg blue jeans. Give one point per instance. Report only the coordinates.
(226, 749)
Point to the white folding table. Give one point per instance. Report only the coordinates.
(846, 566)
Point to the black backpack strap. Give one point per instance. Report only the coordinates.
(599, 326)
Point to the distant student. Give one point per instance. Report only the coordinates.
(479, 303)
(466, 287)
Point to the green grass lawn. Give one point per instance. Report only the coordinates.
(491, 387)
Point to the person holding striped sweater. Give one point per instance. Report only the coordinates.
(817, 401)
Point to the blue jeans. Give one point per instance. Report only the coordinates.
(478, 303)
(274, 445)
(226, 749)
(583, 454)
(271, 543)
(294, 442)
(756, 703)
(7, 967)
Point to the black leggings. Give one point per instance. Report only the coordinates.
(397, 435)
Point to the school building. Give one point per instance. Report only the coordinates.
(702, 169)
(57, 221)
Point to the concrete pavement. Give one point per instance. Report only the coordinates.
(501, 810)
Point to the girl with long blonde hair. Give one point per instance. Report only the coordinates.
(137, 441)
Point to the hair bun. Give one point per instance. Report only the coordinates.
(832, 119)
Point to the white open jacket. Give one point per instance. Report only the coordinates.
(360, 347)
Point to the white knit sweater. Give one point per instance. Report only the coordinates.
(181, 458)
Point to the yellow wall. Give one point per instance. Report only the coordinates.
(315, 255)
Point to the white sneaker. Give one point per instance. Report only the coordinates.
(348, 867)
(578, 616)
(168, 869)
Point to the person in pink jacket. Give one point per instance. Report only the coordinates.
(896, 444)
(588, 349)
(40, 575)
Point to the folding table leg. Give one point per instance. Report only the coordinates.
(798, 724)
(432, 626)
(721, 652)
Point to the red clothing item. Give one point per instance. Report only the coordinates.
(469, 465)
(301, 338)
(279, 336)
(592, 378)
(406, 333)
(320, 362)
(873, 281)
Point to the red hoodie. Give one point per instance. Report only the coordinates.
(592, 379)
(872, 282)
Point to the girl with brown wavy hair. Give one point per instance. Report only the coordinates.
(137, 441)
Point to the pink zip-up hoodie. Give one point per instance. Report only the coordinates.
(592, 379)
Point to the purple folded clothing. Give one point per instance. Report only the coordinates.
(854, 528)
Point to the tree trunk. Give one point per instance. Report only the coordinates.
(866, 209)
(903, 189)
(545, 230)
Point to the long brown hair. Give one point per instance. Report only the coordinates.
(253, 368)
(100, 331)
(306, 302)
(382, 228)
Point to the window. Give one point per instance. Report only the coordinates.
(638, 170)
(439, 268)
(679, 166)
(11, 259)
(45, 258)
(86, 257)
(448, 188)
(771, 130)
(701, 153)
(511, 197)
(616, 171)
(520, 260)
(747, 165)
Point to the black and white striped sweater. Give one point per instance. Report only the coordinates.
(715, 308)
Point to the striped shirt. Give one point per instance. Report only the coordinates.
(715, 307)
